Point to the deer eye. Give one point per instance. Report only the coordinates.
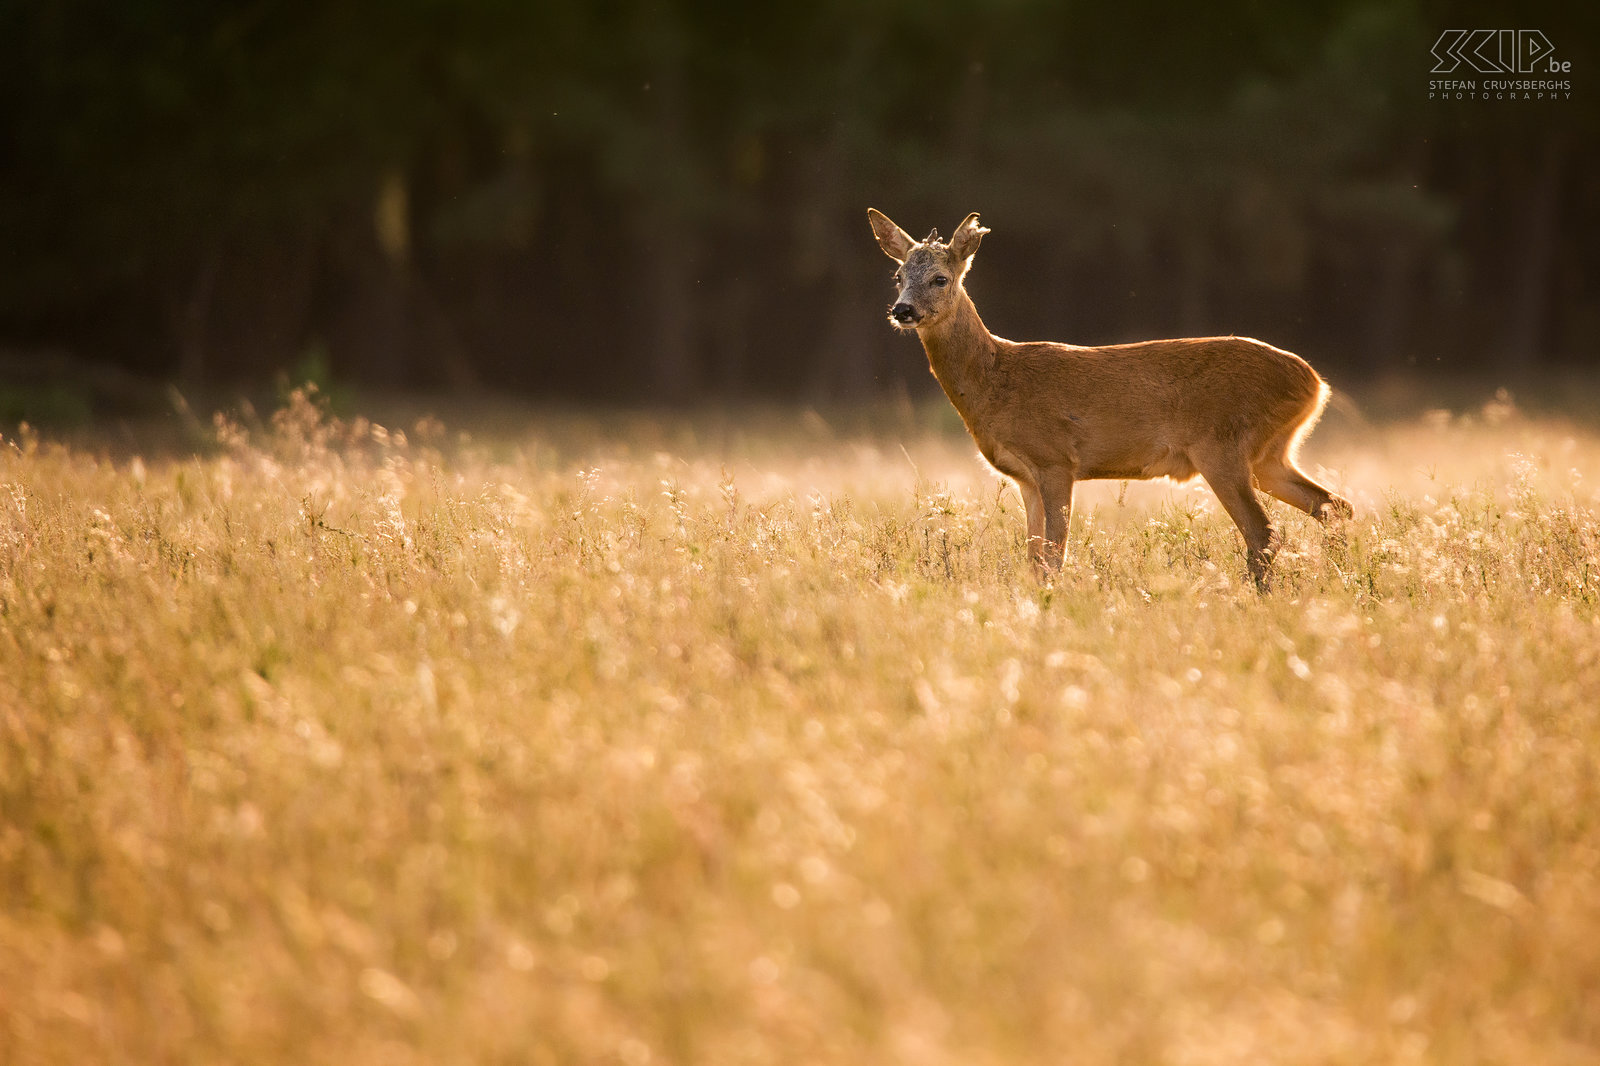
(897, 277)
(941, 280)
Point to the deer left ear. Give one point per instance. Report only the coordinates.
(964, 241)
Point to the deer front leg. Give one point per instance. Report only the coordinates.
(1033, 504)
(1056, 488)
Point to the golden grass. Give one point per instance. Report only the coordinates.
(337, 747)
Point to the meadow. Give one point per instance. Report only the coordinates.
(643, 740)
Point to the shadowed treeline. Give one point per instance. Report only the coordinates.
(635, 199)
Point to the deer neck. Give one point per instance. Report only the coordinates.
(961, 351)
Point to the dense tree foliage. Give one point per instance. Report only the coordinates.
(633, 198)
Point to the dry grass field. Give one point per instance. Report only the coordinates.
(642, 742)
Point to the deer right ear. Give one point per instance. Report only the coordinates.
(895, 242)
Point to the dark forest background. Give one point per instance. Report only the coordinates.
(633, 200)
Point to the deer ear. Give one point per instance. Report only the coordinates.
(895, 242)
(964, 241)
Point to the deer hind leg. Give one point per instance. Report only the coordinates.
(1277, 474)
(1289, 484)
(1229, 477)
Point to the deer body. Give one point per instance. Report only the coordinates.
(1230, 409)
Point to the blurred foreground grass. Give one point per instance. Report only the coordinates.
(338, 745)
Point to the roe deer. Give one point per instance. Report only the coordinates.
(1048, 415)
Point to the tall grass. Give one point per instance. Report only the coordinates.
(339, 744)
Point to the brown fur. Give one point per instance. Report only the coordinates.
(1230, 409)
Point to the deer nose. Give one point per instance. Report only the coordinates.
(902, 312)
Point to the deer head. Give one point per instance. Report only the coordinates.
(930, 272)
